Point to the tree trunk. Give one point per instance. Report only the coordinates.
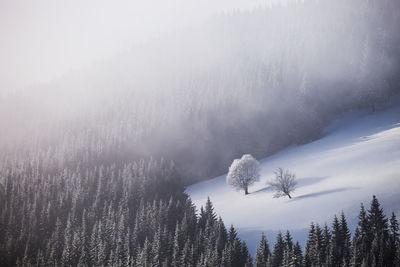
(246, 192)
(289, 196)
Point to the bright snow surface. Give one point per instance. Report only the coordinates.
(358, 157)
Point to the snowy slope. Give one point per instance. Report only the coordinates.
(358, 157)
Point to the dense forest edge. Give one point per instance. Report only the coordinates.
(139, 215)
(246, 82)
(94, 165)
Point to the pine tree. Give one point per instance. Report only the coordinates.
(176, 253)
(262, 252)
(288, 240)
(379, 227)
(185, 255)
(287, 257)
(84, 250)
(247, 261)
(56, 241)
(202, 219)
(143, 258)
(397, 260)
(226, 257)
(326, 240)
(297, 256)
(288, 253)
(356, 255)
(156, 249)
(365, 236)
(376, 218)
(209, 212)
(309, 250)
(345, 241)
(277, 254)
(221, 235)
(232, 235)
(335, 249)
(67, 255)
(394, 241)
(235, 248)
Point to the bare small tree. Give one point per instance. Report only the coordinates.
(243, 173)
(284, 183)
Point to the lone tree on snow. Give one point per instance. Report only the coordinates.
(284, 183)
(243, 173)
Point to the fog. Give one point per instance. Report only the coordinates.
(42, 40)
(198, 85)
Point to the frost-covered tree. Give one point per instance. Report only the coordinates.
(284, 183)
(243, 173)
(262, 256)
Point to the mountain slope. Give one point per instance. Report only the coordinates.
(358, 157)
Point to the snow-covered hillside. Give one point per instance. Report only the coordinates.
(358, 157)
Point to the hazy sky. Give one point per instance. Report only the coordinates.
(42, 39)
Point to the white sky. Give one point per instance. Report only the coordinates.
(42, 39)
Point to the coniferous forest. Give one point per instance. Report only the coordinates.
(138, 215)
(94, 165)
(245, 82)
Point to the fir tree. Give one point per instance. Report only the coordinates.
(394, 241)
(356, 255)
(345, 241)
(247, 261)
(262, 252)
(336, 249)
(297, 259)
(309, 250)
(378, 224)
(326, 240)
(279, 248)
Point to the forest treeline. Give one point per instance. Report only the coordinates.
(375, 242)
(139, 215)
(93, 165)
(245, 82)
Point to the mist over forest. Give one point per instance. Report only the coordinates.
(96, 162)
(243, 82)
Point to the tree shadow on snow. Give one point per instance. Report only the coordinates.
(325, 192)
(309, 181)
(300, 182)
(265, 189)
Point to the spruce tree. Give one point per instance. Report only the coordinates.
(262, 252)
(247, 261)
(176, 253)
(156, 248)
(376, 218)
(232, 235)
(336, 249)
(345, 241)
(221, 235)
(209, 212)
(394, 241)
(309, 250)
(288, 240)
(279, 248)
(365, 236)
(67, 254)
(236, 253)
(380, 236)
(356, 255)
(226, 257)
(326, 240)
(297, 256)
